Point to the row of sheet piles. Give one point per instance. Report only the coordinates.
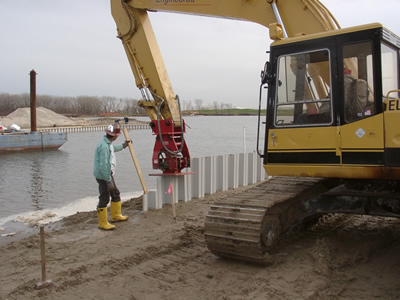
(210, 174)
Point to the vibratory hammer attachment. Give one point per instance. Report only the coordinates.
(170, 153)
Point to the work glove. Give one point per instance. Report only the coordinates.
(126, 143)
(110, 186)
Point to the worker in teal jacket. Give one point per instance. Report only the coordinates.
(103, 171)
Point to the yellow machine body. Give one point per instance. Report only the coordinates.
(333, 107)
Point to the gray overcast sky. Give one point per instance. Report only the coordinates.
(72, 46)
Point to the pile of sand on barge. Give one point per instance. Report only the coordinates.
(44, 118)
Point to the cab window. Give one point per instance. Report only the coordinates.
(358, 81)
(303, 89)
(390, 77)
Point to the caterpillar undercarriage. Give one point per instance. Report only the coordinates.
(250, 224)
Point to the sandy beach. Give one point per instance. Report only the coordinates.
(152, 257)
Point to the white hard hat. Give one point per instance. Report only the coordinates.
(113, 130)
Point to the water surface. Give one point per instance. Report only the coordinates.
(55, 179)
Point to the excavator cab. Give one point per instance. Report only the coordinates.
(333, 105)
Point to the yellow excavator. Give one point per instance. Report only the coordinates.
(332, 134)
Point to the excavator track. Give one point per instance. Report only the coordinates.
(248, 224)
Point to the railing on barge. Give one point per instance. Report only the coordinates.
(84, 128)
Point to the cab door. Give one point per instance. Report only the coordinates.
(391, 92)
(301, 137)
(392, 131)
(362, 134)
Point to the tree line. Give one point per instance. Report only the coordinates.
(94, 105)
(198, 105)
(81, 105)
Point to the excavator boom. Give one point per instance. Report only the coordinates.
(135, 31)
(159, 101)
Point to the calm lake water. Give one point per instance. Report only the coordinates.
(62, 180)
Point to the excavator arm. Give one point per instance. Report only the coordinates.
(136, 33)
(284, 18)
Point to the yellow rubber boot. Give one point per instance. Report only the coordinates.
(103, 222)
(116, 215)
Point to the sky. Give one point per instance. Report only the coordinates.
(72, 45)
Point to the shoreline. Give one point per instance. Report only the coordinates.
(151, 256)
(21, 225)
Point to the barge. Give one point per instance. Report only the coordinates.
(31, 141)
(15, 140)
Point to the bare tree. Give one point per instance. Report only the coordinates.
(229, 107)
(189, 106)
(215, 105)
(111, 104)
(184, 105)
(221, 106)
(65, 105)
(198, 103)
(6, 104)
(130, 106)
(88, 105)
(9, 102)
(81, 105)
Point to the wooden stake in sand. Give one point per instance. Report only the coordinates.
(44, 283)
(135, 161)
(171, 191)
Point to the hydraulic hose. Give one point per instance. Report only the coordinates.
(175, 153)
